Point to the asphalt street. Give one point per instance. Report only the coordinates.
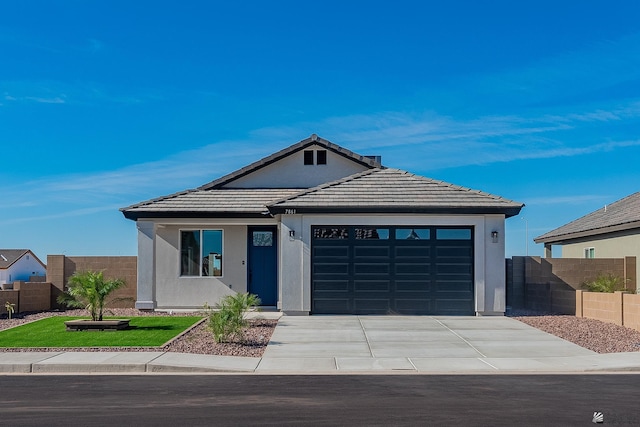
(327, 400)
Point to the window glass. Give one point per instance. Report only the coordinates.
(321, 157)
(262, 238)
(190, 253)
(453, 234)
(308, 157)
(201, 253)
(371, 233)
(589, 252)
(331, 233)
(413, 234)
(212, 252)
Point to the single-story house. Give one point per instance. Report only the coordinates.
(19, 264)
(318, 229)
(612, 231)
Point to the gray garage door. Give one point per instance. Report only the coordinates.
(392, 270)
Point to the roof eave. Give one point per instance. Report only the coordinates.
(134, 216)
(508, 212)
(565, 238)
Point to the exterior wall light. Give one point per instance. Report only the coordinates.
(292, 234)
(494, 236)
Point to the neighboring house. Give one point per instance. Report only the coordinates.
(318, 229)
(19, 264)
(612, 231)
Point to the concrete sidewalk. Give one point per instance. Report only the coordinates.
(359, 344)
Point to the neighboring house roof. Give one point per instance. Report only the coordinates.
(618, 216)
(312, 140)
(9, 256)
(209, 203)
(394, 191)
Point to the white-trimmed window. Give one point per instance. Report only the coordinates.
(315, 157)
(201, 253)
(589, 252)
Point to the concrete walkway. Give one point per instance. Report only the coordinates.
(359, 344)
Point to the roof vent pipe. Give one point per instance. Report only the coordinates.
(375, 158)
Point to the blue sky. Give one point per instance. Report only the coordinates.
(107, 103)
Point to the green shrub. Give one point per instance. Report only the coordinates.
(605, 283)
(229, 321)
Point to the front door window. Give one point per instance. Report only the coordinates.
(262, 238)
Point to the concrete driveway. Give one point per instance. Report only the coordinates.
(413, 343)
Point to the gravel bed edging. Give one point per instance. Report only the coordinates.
(197, 339)
(595, 335)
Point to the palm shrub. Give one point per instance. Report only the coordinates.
(10, 307)
(605, 283)
(89, 289)
(229, 321)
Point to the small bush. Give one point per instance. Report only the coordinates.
(605, 283)
(228, 321)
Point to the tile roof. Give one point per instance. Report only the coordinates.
(623, 214)
(377, 189)
(208, 203)
(397, 191)
(312, 140)
(9, 256)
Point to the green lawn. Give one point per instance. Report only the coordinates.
(150, 331)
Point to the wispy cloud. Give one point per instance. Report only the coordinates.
(76, 93)
(63, 214)
(437, 142)
(56, 100)
(37, 99)
(571, 78)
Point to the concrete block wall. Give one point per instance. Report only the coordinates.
(631, 311)
(550, 298)
(11, 296)
(56, 276)
(549, 284)
(563, 301)
(618, 307)
(575, 271)
(33, 296)
(60, 268)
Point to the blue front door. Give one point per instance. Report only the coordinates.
(263, 264)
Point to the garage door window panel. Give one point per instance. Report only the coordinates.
(333, 233)
(453, 234)
(413, 233)
(368, 233)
